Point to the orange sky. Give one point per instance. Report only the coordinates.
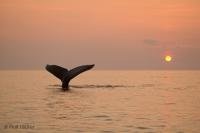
(113, 34)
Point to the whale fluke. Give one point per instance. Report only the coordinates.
(64, 75)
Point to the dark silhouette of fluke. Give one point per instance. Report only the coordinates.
(64, 75)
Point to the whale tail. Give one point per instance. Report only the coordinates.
(64, 75)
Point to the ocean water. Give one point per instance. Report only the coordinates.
(101, 102)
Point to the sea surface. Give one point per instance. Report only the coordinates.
(101, 102)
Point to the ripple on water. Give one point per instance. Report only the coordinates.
(142, 118)
(101, 86)
(79, 131)
(143, 128)
(101, 116)
(169, 103)
(148, 85)
(161, 126)
(109, 119)
(30, 108)
(107, 131)
(129, 126)
(179, 88)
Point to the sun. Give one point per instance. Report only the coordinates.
(168, 58)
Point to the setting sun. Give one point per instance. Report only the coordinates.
(168, 58)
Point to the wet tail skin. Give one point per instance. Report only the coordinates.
(64, 75)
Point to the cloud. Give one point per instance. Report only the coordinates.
(152, 42)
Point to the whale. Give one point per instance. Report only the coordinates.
(66, 75)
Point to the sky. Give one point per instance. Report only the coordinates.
(113, 34)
